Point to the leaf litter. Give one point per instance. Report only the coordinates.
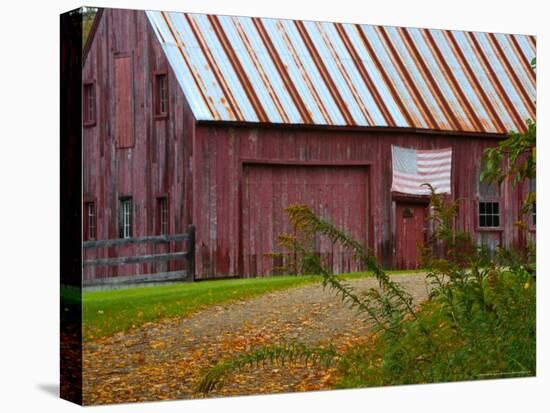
(164, 360)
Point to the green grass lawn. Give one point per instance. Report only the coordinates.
(108, 312)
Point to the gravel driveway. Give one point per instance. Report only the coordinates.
(163, 360)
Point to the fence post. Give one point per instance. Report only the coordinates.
(191, 251)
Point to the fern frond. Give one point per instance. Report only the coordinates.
(278, 354)
(303, 219)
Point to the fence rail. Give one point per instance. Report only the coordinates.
(136, 260)
(138, 240)
(188, 255)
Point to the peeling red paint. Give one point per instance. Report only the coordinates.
(233, 181)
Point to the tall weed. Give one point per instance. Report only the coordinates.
(478, 321)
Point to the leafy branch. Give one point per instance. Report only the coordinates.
(514, 158)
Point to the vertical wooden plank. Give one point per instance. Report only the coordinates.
(201, 169)
(336, 193)
(410, 225)
(109, 170)
(124, 106)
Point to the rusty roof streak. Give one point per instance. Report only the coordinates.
(366, 78)
(237, 113)
(448, 73)
(260, 70)
(486, 101)
(393, 90)
(523, 59)
(245, 82)
(496, 84)
(405, 75)
(303, 73)
(274, 71)
(342, 106)
(512, 75)
(346, 76)
(429, 78)
(283, 72)
(196, 77)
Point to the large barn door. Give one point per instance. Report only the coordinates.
(410, 231)
(336, 193)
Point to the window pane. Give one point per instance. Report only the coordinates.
(162, 215)
(482, 207)
(88, 97)
(125, 218)
(91, 220)
(489, 214)
(482, 221)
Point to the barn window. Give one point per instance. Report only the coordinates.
(162, 215)
(125, 217)
(89, 109)
(489, 214)
(161, 95)
(89, 221)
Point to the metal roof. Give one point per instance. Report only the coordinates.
(281, 71)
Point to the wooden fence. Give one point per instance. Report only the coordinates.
(185, 275)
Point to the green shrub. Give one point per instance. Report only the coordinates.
(479, 320)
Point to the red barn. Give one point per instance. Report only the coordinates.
(223, 121)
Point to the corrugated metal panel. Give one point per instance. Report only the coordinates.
(303, 72)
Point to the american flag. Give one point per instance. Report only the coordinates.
(413, 167)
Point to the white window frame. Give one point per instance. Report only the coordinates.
(126, 205)
(90, 207)
(163, 215)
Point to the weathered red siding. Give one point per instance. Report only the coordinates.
(334, 192)
(155, 160)
(222, 153)
(411, 230)
(124, 101)
(213, 174)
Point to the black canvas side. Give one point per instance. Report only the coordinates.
(71, 205)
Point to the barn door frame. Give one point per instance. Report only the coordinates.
(117, 56)
(244, 162)
(406, 199)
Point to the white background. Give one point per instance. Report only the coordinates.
(29, 206)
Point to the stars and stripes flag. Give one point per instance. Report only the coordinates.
(414, 167)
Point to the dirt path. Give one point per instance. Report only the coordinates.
(163, 360)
